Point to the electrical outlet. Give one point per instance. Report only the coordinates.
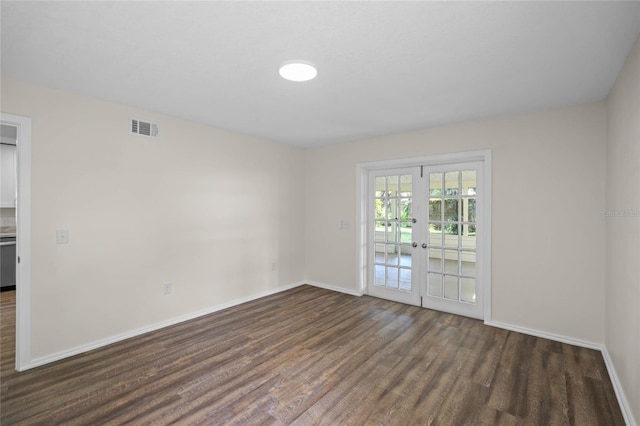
(166, 288)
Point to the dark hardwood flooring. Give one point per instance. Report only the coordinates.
(310, 356)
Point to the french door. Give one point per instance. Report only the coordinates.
(393, 253)
(425, 236)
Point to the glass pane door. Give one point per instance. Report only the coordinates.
(392, 228)
(452, 275)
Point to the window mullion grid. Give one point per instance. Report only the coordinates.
(459, 228)
(386, 231)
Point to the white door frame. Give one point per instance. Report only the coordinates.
(23, 240)
(362, 173)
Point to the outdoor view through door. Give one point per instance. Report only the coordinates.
(424, 232)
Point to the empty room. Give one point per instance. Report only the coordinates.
(320, 212)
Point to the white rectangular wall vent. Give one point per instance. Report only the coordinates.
(143, 128)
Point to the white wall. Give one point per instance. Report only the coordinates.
(548, 182)
(204, 209)
(623, 229)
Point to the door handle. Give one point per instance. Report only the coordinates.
(414, 245)
(424, 245)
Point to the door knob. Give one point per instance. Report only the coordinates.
(424, 245)
(414, 245)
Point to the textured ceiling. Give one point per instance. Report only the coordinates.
(383, 67)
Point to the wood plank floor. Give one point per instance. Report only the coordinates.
(310, 356)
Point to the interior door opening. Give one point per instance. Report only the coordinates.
(18, 129)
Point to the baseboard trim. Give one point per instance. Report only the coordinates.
(617, 387)
(153, 327)
(545, 335)
(334, 288)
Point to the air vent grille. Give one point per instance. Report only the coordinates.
(143, 128)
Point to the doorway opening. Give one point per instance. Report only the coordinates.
(425, 232)
(18, 128)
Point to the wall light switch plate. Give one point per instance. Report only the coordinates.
(62, 236)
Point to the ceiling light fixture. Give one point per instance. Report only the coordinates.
(298, 71)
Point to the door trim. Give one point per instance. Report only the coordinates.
(23, 240)
(362, 179)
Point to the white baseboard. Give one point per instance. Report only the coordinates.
(334, 288)
(546, 335)
(153, 327)
(617, 387)
(622, 399)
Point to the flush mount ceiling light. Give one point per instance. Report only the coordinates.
(298, 71)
